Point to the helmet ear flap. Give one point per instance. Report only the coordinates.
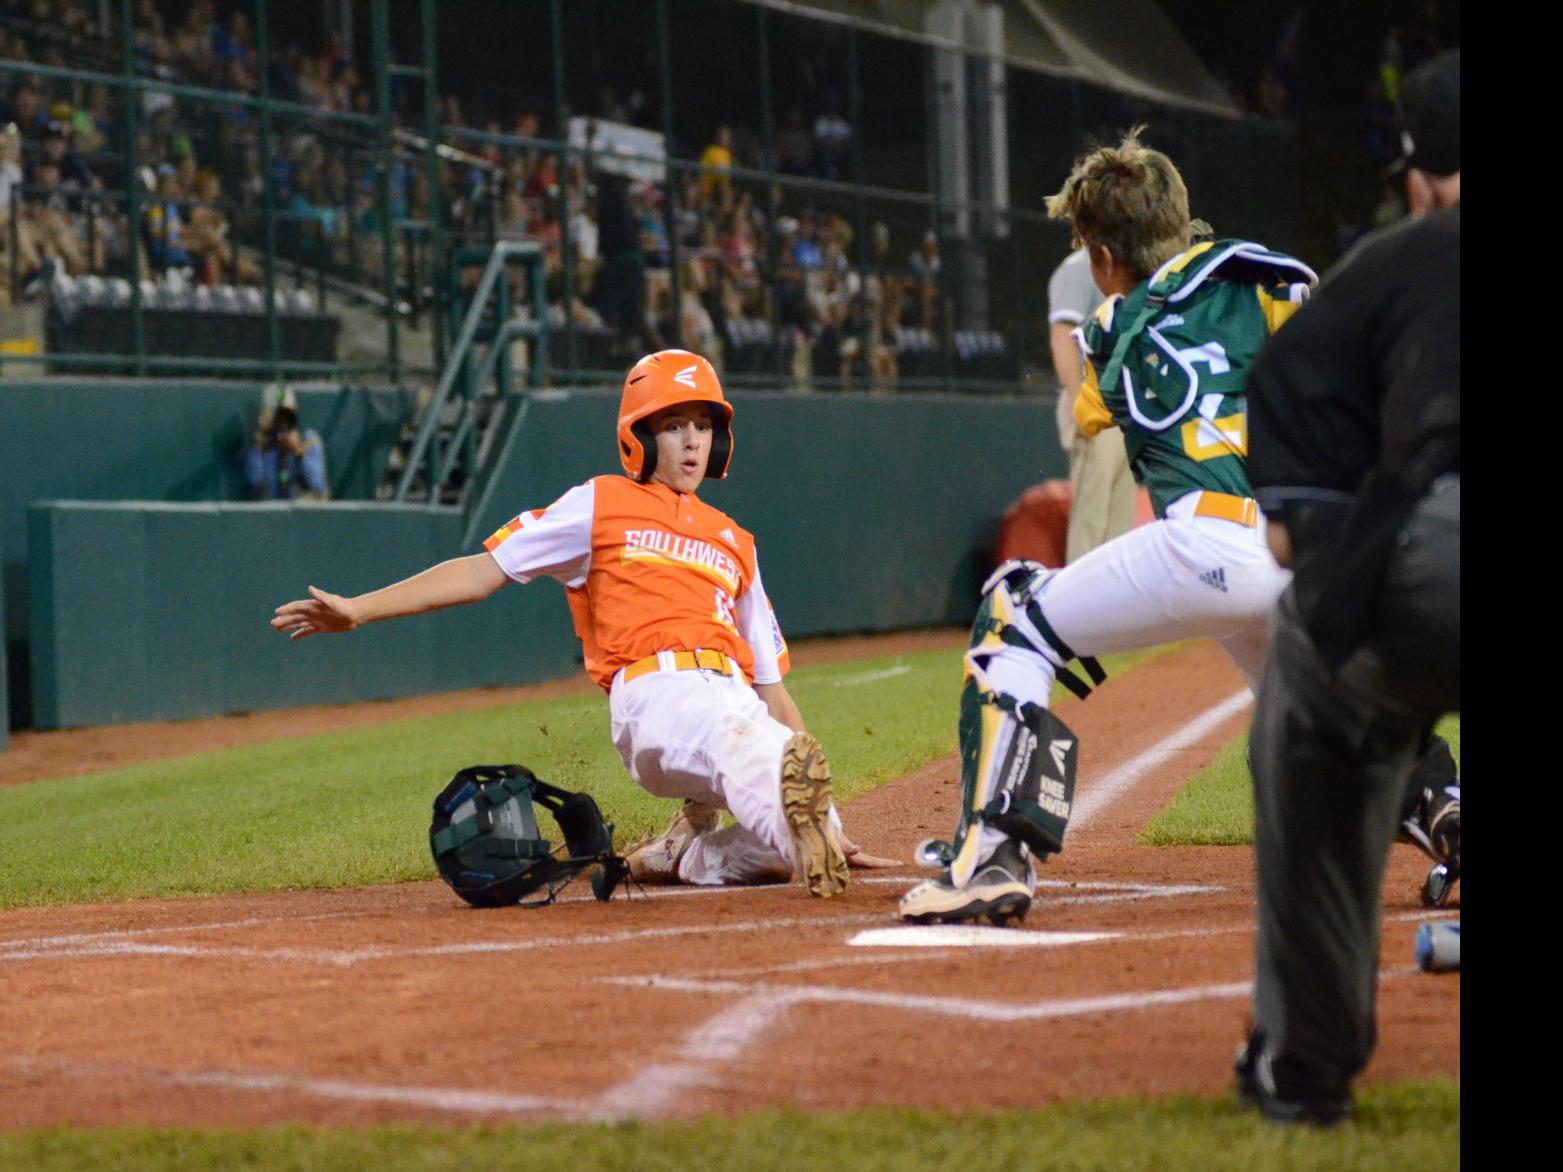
(721, 451)
(648, 450)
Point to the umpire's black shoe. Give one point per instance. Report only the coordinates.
(1285, 1091)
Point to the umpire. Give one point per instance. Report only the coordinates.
(1354, 418)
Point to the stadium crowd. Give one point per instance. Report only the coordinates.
(764, 282)
(768, 279)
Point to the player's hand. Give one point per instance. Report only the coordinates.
(321, 613)
(861, 859)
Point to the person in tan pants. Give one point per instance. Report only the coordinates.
(1099, 476)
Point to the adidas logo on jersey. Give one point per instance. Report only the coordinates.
(1216, 578)
(728, 535)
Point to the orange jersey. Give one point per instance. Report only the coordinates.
(648, 569)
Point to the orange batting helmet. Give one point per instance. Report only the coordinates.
(663, 380)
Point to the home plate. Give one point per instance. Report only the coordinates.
(970, 936)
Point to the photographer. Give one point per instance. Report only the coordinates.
(284, 462)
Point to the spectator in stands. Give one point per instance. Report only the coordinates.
(46, 238)
(925, 265)
(806, 252)
(699, 330)
(717, 166)
(284, 462)
(620, 288)
(207, 237)
(11, 175)
(584, 239)
(28, 111)
(793, 145)
(831, 138)
(165, 224)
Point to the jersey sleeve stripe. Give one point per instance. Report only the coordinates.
(1091, 414)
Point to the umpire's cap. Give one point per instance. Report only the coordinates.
(1430, 100)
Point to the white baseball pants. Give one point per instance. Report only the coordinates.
(1179, 578)
(707, 736)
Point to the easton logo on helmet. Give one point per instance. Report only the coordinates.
(686, 376)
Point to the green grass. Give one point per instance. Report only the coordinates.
(1215, 807)
(352, 807)
(1414, 1124)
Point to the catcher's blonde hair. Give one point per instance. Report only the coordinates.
(1130, 200)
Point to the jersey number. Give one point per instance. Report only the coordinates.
(1207, 438)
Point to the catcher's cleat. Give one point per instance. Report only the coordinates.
(1285, 1091)
(819, 856)
(655, 859)
(1438, 885)
(1433, 826)
(1001, 890)
(1443, 826)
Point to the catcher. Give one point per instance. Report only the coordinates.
(666, 597)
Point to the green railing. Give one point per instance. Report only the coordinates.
(448, 452)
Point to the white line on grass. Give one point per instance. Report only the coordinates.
(869, 677)
(1104, 792)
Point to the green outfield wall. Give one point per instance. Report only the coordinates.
(111, 439)
(5, 704)
(871, 513)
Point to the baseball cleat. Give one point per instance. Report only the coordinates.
(1438, 885)
(806, 792)
(655, 859)
(1434, 826)
(1285, 1091)
(1001, 890)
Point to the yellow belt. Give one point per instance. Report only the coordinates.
(1242, 509)
(685, 661)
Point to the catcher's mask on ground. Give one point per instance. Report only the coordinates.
(487, 846)
(662, 380)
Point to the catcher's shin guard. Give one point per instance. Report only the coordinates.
(1017, 758)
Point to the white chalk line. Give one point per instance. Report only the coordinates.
(436, 1098)
(123, 933)
(963, 1007)
(1108, 789)
(116, 942)
(922, 956)
(869, 677)
(1082, 885)
(720, 1039)
(347, 957)
(716, 1040)
(968, 936)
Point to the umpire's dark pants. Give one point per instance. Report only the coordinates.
(1330, 762)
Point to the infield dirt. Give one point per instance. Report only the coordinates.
(399, 1003)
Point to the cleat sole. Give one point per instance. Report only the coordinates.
(806, 801)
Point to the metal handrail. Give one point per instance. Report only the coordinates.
(503, 252)
(462, 433)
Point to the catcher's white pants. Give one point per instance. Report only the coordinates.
(1179, 578)
(708, 736)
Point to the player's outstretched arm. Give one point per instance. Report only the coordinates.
(780, 704)
(450, 583)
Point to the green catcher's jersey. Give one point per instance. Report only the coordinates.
(1168, 364)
